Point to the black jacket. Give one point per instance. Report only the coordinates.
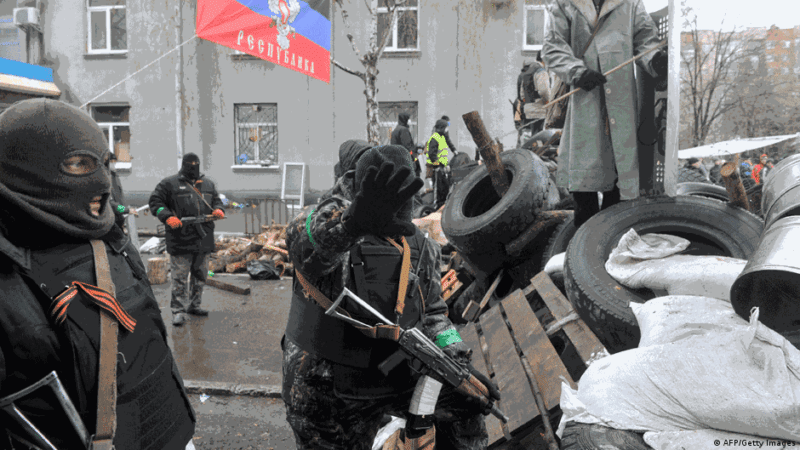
(152, 406)
(174, 196)
(401, 135)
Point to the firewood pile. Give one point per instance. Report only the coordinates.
(233, 253)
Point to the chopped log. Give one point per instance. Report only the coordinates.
(289, 272)
(236, 267)
(157, 270)
(489, 150)
(282, 266)
(251, 256)
(227, 286)
(543, 220)
(734, 186)
(219, 264)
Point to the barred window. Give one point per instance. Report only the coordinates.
(256, 134)
(108, 32)
(388, 113)
(403, 35)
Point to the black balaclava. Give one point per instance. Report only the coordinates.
(41, 197)
(349, 152)
(375, 158)
(402, 119)
(189, 170)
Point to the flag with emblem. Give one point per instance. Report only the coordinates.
(295, 34)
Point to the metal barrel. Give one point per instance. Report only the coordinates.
(771, 278)
(781, 192)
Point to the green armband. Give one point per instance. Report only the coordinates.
(159, 211)
(308, 230)
(120, 209)
(446, 338)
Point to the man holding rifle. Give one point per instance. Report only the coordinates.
(586, 39)
(340, 379)
(184, 203)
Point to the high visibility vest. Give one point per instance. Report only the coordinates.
(441, 158)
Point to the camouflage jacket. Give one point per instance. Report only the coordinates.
(319, 246)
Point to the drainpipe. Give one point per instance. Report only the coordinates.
(179, 82)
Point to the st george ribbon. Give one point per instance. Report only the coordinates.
(292, 33)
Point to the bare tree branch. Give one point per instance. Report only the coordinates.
(345, 19)
(347, 69)
(393, 13)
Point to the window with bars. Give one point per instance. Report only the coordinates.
(256, 134)
(403, 35)
(534, 24)
(388, 112)
(108, 32)
(114, 120)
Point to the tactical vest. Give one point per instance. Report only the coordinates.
(374, 277)
(441, 158)
(153, 410)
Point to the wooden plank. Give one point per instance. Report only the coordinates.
(470, 337)
(448, 294)
(489, 150)
(227, 286)
(535, 345)
(586, 343)
(517, 399)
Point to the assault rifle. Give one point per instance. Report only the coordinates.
(424, 356)
(197, 220)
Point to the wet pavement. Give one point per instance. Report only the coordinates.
(236, 422)
(239, 341)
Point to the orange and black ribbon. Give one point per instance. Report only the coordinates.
(99, 296)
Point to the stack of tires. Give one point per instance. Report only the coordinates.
(478, 223)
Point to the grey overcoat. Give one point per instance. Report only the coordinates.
(599, 140)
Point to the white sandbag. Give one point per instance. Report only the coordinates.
(745, 380)
(710, 440)
(387, 431)
(650, 261)
(555, 266)
(149, 245)
(668, 319)
(573, 410)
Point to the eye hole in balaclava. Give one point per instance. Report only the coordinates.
(82, 162)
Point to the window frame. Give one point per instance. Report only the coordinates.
(257, 163)
(107, 9)
(399, 9)
(119, 165)
(525, 45)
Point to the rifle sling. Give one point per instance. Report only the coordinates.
(199, 195)
(107, 371)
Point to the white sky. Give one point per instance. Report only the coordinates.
(739, 13)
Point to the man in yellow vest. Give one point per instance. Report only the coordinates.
(436, 151)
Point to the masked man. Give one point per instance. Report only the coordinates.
(401, 135)
(598, 151)
(335, 395)
(76, 300)
(187, 194)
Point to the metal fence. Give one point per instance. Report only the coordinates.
(266, 211)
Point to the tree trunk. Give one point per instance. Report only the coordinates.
(371, 92)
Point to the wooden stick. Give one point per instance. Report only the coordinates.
(607, 73)
(473, 309)
(489, 150)
(227, 287)
(542, 221)
(733, 184)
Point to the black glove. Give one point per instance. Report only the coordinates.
(379, 198)
(590, 80)
(660, 63)
(473, 404)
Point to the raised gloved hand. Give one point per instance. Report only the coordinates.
(218, 213)
(660, 63)
(174, 223)
(380, 196)
(590, 80)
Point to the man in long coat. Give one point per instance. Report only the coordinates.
(598, 151)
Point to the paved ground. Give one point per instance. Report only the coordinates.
(236, 422)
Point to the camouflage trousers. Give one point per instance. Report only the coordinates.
(191, 269)
(322, 420)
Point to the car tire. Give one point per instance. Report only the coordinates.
(476, 221)
(584, 436)
(703, 190)
(543, 136)
(713, 227)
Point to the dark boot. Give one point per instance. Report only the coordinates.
(179, 319)
(611, 197)
(197, 311)
(586, 206)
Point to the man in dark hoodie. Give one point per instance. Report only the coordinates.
(187, 194)
(335, 395)
(76, 300)
(401, 135)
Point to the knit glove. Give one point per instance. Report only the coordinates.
(379, 198)
(174, 223)
(218, 213)
(590, 79)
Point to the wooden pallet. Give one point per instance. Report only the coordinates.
(511, 345)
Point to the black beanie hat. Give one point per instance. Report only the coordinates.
(375, 157)
(440, 125)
